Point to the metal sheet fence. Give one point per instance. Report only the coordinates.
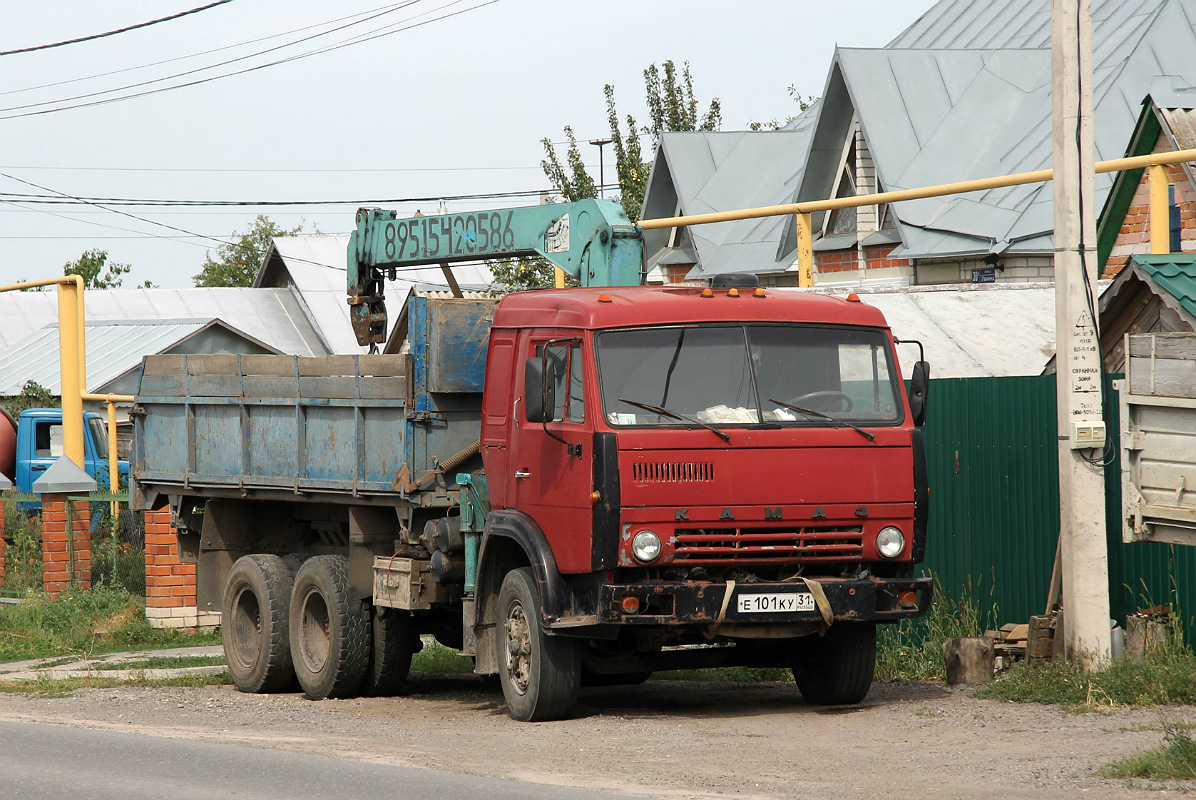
(992, 453)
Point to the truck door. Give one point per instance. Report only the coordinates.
(552, 478)
(47, 447)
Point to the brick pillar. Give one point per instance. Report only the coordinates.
(66, 545)
(170, 600)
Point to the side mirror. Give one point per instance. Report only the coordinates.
(918, 383)
(539, 389)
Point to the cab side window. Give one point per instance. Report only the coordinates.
(570, 388)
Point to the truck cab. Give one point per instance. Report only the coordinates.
(39, 444)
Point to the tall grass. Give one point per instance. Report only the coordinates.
(1167, 677)
(82, 623)
(23, 557)
(913, 649)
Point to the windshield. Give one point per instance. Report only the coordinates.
(746, 374)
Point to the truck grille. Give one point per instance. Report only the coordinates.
(672, 471)
(768, 545)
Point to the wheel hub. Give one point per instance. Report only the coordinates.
(519, 648)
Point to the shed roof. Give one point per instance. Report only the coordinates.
(113, 349)
(1174, 273)
(970, 331)
(272, 316)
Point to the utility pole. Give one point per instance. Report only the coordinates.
(600, 143)
(1083, 547)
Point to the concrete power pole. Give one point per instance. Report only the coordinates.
(1078, 356)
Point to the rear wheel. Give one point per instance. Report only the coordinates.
(395, 642)
(255, 634)
(330, 635)
(836, 669)
(539, 673)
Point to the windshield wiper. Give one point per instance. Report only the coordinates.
(662, 410)
(839, 423)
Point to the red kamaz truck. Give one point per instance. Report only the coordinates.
(572, 486)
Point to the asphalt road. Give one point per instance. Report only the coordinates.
(51, 762)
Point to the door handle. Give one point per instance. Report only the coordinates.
(520, 473)
(37, 468)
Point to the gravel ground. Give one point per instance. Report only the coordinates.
(670, 739)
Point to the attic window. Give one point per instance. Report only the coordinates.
(843, 220)
(679, 236)
(886, 218)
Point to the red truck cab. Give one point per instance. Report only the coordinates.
(707, 464)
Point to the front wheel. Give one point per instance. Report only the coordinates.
(330, 635)
(836, 669)
(539, 673)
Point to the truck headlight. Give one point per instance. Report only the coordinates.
(890, 542)
(645, 546)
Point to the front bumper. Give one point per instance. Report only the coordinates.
(699, 603)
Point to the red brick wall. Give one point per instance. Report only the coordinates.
(875, 257)
(169, 583)
(836, 260)
(1133, 238)
(66, 544)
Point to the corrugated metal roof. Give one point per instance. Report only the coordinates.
(970, 331)
(1175, 273)
(273, 316)
(1015, 23)
(113, 348)
(314, 267)
(935, 116)
(716, 171)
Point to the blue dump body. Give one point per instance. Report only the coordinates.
(274, 426)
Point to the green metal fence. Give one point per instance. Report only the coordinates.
(992, 456)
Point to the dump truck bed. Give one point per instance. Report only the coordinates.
(340, 428)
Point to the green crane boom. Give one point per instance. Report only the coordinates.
(591, 240)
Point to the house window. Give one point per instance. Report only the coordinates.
(843, 220)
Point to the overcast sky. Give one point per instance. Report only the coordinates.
(455, 106)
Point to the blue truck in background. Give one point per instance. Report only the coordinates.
(30, 444)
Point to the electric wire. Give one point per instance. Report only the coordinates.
(359, 40)
(191, 55)
(65, 199)
(388, 10)
(125, 29)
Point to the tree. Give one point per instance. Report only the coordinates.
(523, 273)
(95, 270)
(774, 124)
(672, 106)
(237, 262)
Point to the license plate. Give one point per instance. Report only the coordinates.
(768, 603)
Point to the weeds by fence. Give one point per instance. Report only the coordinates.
(913, 649)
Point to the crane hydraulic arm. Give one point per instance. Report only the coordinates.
(591, 240)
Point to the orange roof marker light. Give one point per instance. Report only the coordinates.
(758, 293)
(605, 298)
(853, 298)
(732, 292)
(707, 292)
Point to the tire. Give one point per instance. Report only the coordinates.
(539, 673)
(255, 628)
(394, 643)
(330, 636)
(836, 669)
